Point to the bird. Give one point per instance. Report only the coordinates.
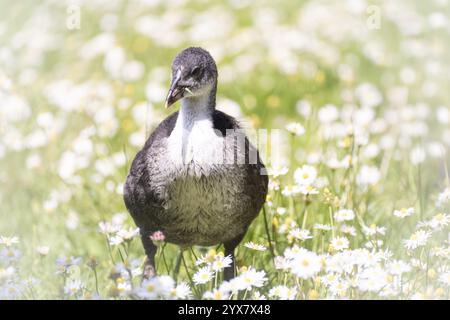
(198, 179)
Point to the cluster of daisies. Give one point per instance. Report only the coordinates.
(11, 284)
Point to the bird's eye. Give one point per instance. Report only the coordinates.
(195, 71)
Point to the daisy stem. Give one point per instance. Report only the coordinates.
(299, 286)
(125, 245)
(176, 271)
(190, 278)
(245, 294)
(291, 207)
(164, 257)
(192, 251)
(419, 187)
(322, 240)
(426, 271)
(305, 217)
(33, 296)
(446, 173)
(401, 285)
(266, 226)
(121, 256)
(109, 249)
(331, 221)
(96, 280)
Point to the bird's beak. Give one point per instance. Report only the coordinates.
(175, 92)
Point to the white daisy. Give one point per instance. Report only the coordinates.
(255, 246)
(128, 234)
(221, 262)
(281, 263)
(322, 227)
(181, 291)
(368, 175)
(258, 296)
(222, 293)
(344, 215)
(161, 287)
(339, 288)
(440, 220)
(306, 264)
(72, 287)
(351, 230)
(305, 176)
(398, 267)
(283, 292)
(373, 229)
(148, 289)
(277, 171)
(300, 234)
(404, 212)
(307, 190)
(417, 239)
(295, 128)
(445, 278)
(203, 275)
(43, 250)
(250, 278)
(372, 279)
(340, 243)
(8, 241)
(443, 198)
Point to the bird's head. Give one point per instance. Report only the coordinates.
(194, 73)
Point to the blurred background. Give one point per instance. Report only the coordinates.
(82, 83)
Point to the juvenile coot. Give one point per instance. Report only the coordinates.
(198, 179)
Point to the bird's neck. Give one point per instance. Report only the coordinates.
(196, 109)
(194, 128)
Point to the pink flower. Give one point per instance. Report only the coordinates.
(157, 237)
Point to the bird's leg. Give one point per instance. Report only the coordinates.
(150, 250)
(230, 272)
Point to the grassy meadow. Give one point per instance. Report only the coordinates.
(359, 200)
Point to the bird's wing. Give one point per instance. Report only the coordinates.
(139, 195)
(256, 180)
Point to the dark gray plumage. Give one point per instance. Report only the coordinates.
(195, 180)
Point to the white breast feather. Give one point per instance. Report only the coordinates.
(199, 145)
